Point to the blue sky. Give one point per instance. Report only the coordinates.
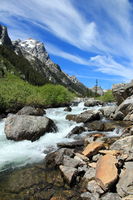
(91, 39)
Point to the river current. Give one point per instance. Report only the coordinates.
(16, 154)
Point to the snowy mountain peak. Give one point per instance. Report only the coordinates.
(33, 47)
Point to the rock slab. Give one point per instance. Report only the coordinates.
(106, 171)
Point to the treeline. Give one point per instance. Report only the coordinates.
(20, 66)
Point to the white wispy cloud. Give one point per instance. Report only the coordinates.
(103, 27)
(105, 64)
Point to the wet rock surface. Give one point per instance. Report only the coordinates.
(35, 183)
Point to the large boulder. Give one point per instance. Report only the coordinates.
(125, 108)
(106, 171)
(93, 102)
(108, 110)
(29, 110)
(26, 127)
(87, 116)
(122, 91)
(125, 184)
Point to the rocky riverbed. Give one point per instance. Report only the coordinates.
(88, 156)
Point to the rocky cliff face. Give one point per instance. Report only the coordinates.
(35, 52)
(4, 38)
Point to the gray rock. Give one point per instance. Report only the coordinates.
(93, 187)
(55, 159)
(122, 91)
(76, 131)
(111, 196)
(125, 183)
(70, 162)
(69, 173)
(108, 110)
(118, 116)
(90, 174)
(74, 144)
(26, 127)
(90, 196)
(125, 108)
(93, 102)
(124, 144)
(29, 110)
(87, 116)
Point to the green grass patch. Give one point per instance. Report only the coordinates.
(14, 91)
(107, 97)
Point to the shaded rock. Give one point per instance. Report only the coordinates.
(93, 102)
(122, 91)
(69, 173)
(84, 158)
(90, 196)
(118, 116)
(76, 130)
(55, 159)
(89, 115)
(93, 187)
(26, 127)
(95, 126)
(70, 162)
(125, 183)
(102, 126)
(125, 107)
(90, 174)
(111, 196)
(106, 171)
(68, 109)
(74, 144)
(93, 148)
(58, 198)
(129, 117)
(29, 110)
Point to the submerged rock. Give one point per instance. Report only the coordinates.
(26, 127)
(68, 109)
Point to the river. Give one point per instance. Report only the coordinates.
(16, 154)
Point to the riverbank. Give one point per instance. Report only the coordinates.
(63, 158)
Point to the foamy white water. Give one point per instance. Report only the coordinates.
(14, 154)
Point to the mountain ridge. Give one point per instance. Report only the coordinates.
(36, 56)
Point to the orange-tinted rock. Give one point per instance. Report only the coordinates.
(106, 171)
(57, 198)
(93, 164)
(111, 152)
(93, 148)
